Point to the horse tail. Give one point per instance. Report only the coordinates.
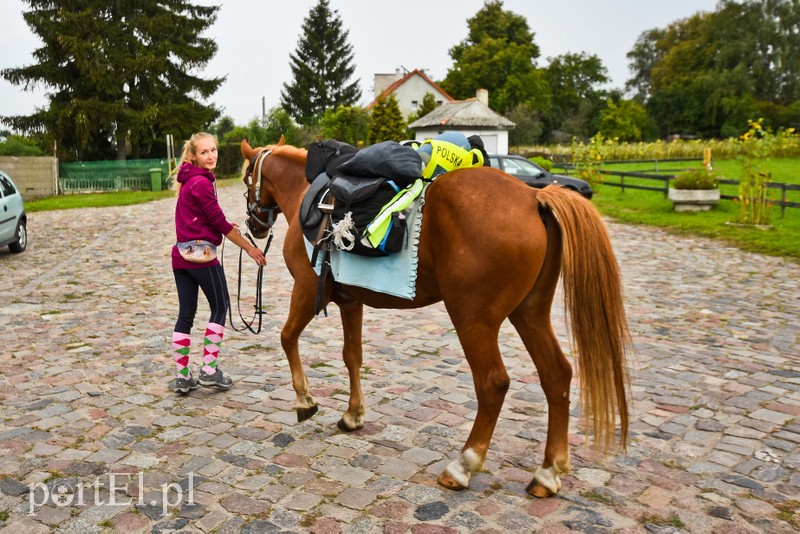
(593, 300)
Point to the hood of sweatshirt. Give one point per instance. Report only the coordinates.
(189, 170)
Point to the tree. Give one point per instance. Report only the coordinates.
(577, 97)
(625, 120)
(428, 105)
(322, 66)
(387, 120)
(119, 74)
(528, 126)
(497, 55)
(346, 123)
(704, 74)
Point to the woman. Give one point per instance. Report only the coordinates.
(198, 217)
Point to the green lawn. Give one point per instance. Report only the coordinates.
(652, 208)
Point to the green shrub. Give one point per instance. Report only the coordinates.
(544, 163)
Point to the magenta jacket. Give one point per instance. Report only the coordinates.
(197, 213)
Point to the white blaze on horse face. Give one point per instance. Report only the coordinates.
(462, 468)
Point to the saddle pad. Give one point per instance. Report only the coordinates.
(395, 274)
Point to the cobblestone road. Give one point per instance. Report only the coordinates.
(93, 440)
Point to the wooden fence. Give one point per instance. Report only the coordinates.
(664, 179)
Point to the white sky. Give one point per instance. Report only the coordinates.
(255, 38)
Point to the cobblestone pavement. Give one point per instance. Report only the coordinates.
(94, 440)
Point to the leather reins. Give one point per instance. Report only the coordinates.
(254, 208)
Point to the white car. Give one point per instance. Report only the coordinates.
(13, 220)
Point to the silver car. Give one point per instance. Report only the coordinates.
(13, 220)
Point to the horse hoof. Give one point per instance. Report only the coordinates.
(538, 490)
(449, 482)
(341, 425)
(306, 413)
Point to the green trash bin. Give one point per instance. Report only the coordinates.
(155, 179)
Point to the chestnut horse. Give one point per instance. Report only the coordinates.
(490, 248)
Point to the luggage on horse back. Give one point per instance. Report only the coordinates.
(354, 185)
(366, 191)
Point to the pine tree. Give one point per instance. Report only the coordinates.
(321, 67)
(119, 75)
(387, 120)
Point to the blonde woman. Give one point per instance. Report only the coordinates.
(200, 225)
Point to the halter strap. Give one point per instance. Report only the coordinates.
(255, 208)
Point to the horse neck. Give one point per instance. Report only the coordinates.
(290, 181)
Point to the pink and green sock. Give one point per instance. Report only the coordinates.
(211, 344)
(181, 345)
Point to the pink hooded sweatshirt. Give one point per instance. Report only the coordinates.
(197, 213)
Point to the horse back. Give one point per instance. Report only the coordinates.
(481, 228)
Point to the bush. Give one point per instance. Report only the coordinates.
(544, 163)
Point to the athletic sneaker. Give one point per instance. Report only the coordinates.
(184, 385)
(217, 380)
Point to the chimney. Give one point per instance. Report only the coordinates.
(482, 95)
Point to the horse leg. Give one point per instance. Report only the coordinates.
(532, 321)
(479, 341)
(301, 311)
(555, 375)
(352, 315)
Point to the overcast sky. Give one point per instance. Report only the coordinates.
(255, 38)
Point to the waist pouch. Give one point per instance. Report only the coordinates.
(197, 251)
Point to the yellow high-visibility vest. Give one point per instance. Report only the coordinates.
(446, 157)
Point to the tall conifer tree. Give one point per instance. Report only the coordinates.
(322, 66)
(387, 120)
(119, 75)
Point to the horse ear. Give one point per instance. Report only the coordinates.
(247, 150)
(281, 141)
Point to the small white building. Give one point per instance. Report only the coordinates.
(409, 88)
(470, 117)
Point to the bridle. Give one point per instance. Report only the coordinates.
(254, 209)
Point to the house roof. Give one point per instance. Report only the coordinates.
(404, 79)
(470, 113)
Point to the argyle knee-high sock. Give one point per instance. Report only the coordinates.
(211, 344)
(180, 349)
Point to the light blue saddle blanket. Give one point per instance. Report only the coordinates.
(395, 274)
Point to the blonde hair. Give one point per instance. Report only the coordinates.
(190, 152)
(190, 146)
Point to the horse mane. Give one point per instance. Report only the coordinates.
(293, 154)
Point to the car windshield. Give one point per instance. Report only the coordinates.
(521, 167)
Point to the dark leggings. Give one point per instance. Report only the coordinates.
(212, 281)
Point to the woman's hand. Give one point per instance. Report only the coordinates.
(257, 255)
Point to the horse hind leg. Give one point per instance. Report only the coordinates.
(491, 384)
(532, 321)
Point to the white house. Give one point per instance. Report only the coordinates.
(470, 117)
(409, 89)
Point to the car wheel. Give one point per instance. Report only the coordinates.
(22, 238)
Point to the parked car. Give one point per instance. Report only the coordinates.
(13, 221)
(535, 176)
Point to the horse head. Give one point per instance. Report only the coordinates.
(262, 207)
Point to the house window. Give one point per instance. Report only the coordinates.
(414, 105)
(438, 102)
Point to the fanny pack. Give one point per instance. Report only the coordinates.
(197, 251)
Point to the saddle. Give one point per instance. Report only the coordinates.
(348, 191)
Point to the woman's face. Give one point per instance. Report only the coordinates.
(206, 153)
